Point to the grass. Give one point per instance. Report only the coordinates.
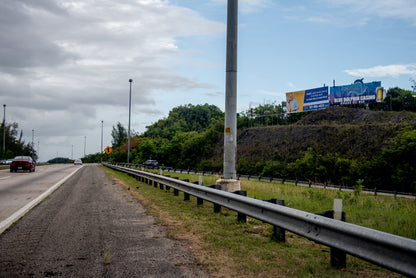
(229, 248)
(107, 258)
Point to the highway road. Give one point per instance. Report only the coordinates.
(18, 189)
(91, 226)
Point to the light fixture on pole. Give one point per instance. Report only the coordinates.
(128, 135)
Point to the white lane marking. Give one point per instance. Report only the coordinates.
(4, 178)
(16, 216)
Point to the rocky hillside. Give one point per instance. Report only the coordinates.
(354, 133)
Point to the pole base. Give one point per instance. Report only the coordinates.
(229, 185)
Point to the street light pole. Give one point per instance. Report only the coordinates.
(33, 143)
(4, 130)
(101, 152)
(128, 135)
(229, 181)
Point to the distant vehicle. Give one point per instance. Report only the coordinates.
(77, 162)
(22, 163)
(9, 161)
(151, 163)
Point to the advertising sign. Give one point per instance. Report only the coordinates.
(307, 100)
(356, 93)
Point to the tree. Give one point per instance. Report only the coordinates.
(14, 146)
(118, 133)
(398, 100)
(184, 118)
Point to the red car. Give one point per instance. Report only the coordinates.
(22, 163)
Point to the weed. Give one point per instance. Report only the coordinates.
(107, 257)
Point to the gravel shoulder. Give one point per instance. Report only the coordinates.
(91, 227)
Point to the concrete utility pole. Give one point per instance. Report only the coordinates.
(128, 135)
(229, 182)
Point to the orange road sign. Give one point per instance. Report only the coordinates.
(108, 150)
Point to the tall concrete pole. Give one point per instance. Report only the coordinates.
(128, 135)
(229, 182)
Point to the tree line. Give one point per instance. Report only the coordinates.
(14, 145)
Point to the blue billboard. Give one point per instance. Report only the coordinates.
(307, 100)
(356, 93)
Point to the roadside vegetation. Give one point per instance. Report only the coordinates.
(338, 145)
(230, 248)
(14, 144)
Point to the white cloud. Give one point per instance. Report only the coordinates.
(384, 71)
(73, 59)
(399, 9)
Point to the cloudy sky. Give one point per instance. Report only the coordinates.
(65, 65)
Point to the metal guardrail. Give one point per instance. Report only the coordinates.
(375, 191)
(389, 251)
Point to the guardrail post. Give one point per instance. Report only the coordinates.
(375, 191)
(199, 201)
(161, 186)
(338, 257)
(186, 196)
(240, 216)
(155, 184)
(279, 234)
(175, 192)
(217, 208)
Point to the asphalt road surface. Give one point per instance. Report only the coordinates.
(92, 227)
(17, 189)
